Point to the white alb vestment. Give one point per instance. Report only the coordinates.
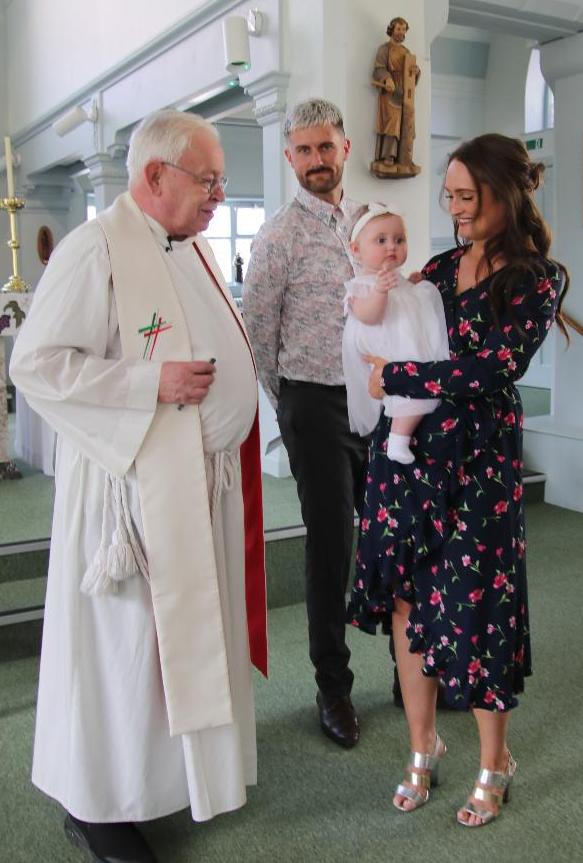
(103, 746)
(413, 328)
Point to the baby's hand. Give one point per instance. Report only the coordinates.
(415, 277)
(386, 281)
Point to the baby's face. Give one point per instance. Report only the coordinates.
(382, 241)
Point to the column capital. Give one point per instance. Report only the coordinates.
(562, 58)
(269, 95)
(108, 176)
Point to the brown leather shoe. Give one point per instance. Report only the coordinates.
(338, 719)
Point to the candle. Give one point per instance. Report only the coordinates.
(9, 171)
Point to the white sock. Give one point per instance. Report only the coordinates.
(398, 448)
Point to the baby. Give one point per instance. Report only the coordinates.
(390, 317)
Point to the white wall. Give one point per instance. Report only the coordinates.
(71, 43)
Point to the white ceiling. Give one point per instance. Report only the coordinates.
(543, 20)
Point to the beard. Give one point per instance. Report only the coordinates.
(322, 180)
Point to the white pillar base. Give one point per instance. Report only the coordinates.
(556, 450)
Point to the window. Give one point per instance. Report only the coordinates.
(231, 232)
(539, 106)
(90, 208)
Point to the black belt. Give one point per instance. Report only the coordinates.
(286, 382)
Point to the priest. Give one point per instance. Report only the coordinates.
(136, 354)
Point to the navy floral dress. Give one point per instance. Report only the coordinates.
(446, 533)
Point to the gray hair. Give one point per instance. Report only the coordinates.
(313, 112)
(164, 135)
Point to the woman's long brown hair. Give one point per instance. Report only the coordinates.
(504, 165)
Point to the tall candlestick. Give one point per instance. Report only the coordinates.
(9, 171)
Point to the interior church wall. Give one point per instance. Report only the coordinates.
(57, 47)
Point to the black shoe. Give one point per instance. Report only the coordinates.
(109, 843)
(338, 719)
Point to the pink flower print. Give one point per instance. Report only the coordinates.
(433, 387)
(453, 682)
(430, 661)
(430, 460)
(476, 595)
(396, 479)
(382, 487)
(425, 505)
(528, 325)
(462, 526)
(544, 286)
(491, 628)
(499, 704)
(360, 584)
(434, 569)
(512, 366)
(438, 525)
(411, 369)
(382, 514)
(466, 560)
(458, 630)
(474, 385)
(501, 458)
(448, 424)
(499, 580)
(510, 419)
(499, 552)
(365, 524)
(517, 493)
(489, 696)
(392, 522)
(489, 472)
(435, 598)
(519, 655)
(464, 327)
(516, 301)
(474, 666)
(480, 547)
(475, 337)
(512, 622)
(390, 552)
(457, 373)
(444, 640)
(417, 473)
(504, 354)
(507, 329)
(484, 353)
(501, 507)
(474, 639)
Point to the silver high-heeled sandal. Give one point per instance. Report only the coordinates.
(487, 781)
(429, 763)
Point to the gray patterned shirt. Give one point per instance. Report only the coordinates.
(294, 291)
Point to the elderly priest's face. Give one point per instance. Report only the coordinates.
(191, 190)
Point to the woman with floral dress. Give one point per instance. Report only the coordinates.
(441, 555)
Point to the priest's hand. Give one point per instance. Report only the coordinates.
(375, 386)
(185, 383)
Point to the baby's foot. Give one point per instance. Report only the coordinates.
(398, 448)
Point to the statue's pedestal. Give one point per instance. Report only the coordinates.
(385, 171)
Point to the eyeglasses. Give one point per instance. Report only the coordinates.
(209, 184)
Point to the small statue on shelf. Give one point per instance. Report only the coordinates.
(395, 75)
(238, 264)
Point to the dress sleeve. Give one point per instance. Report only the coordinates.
(501, 358)
(263, 291)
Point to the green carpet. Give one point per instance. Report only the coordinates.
(317, 803)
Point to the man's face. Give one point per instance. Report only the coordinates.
(317, 154)
(186, 206)
(399, 32)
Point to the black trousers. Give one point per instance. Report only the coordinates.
(328, 462)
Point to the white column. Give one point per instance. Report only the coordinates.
(108, 176)
(554, 444)
(269, 104)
